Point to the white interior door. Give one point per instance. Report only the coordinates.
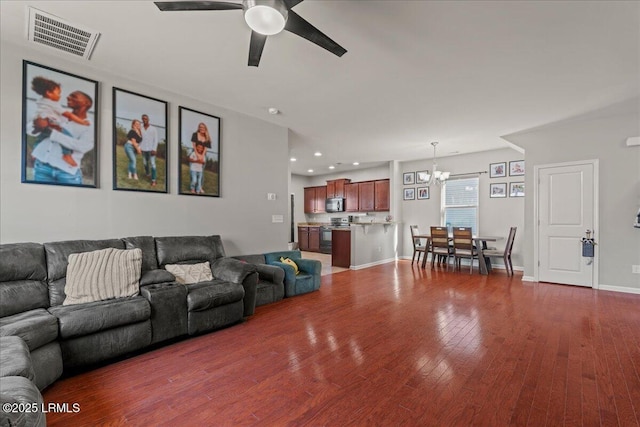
(566, 210)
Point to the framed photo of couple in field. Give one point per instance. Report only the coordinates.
(140, 132)
(199, 158)
(59, 127)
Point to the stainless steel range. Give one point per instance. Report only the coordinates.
(325, 233)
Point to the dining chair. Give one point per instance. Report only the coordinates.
(419, 247)
(504, 254)
(463, 247)
(440, 245)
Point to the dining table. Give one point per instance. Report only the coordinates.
(481, 243)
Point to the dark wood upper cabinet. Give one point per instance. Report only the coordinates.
(336, 187)
(314, 199)
(381, 196)
(352, 197)
(366, 199)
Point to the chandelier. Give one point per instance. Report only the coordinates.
(436, 176)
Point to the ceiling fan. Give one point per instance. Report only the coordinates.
(265, 18)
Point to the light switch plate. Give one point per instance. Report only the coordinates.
(271, 196)
(277, 218)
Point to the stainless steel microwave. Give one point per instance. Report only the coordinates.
(335, 204)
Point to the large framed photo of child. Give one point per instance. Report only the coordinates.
(140, 132)
(199, 157)
(59, 127)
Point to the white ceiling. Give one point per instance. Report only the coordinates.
(463, 73)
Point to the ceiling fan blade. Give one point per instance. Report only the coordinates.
(172, 6)
(291, 3)
(299, 26)
(255, 48)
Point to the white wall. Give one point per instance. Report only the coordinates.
(254, 161)
(495, 215)
(596, 135)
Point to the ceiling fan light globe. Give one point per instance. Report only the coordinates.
(267, 17)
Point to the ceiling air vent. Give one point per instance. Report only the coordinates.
(54, 32)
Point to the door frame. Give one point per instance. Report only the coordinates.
(596, 214)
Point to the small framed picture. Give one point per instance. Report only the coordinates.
(409, 178)
(59, 127)
(516, 168)
(498, 170)
(199, 157)
(422, 177)
(498, 190)
(516, 189)
(409, 194)
(423, 193)
(139, 142)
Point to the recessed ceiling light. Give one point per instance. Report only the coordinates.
(317, 154)
(273, 111)
(332, 167)
(310, 170)
(356, 163)
(293, 159)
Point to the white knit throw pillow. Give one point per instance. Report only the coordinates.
(103, 274)
(187, 274)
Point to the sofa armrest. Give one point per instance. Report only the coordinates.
(313, 267)
(235, 271)
(153, 277)
(289, 277)
(270, 272)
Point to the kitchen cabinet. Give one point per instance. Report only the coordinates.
(309, 239)
(303, 238)
(314, 199)
(381, 195)
(336, 187)
(366, 196)
(341, 248)
(351, 195)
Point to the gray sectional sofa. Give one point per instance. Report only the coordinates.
(40, 337)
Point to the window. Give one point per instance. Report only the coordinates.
(460, 203)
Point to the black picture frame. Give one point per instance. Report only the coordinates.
(423, 193)
(516, 168)
(516, 189)
(498, 170)
(409, 194)
(498, 190)
(207, 183)
(59, 137)
(409, 178)
(421, 177)
(133, 162)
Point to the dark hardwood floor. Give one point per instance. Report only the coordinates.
(388, 345)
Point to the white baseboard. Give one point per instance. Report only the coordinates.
(528, 279)
(371, 264)
(623, 289)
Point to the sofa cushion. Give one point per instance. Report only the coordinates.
(23, 278)
(251, 259)
(103, 274)
(154, 277)
(84, 319)
(15, 359)
(191, 249)
(36, 327)
(57, 254)
(148, 246)
(208, 295)
(187, 274)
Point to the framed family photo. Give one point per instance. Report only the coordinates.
(59, 127)
(199, 157)
(498, 190)
(409, 194)
(409, 178)
(422, 177)
(516, 189)
(139, 142)
(516, 168)
(497, 170)
(423, 193)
